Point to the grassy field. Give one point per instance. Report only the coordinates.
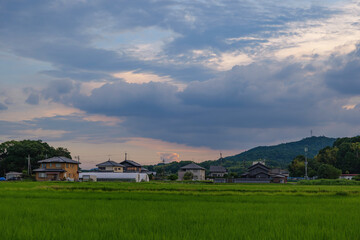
(59, 210)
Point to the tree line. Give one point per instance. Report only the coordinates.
(331, 162)
(14, 154)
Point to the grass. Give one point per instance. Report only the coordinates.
(57, 210)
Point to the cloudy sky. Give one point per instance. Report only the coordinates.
(177, 79)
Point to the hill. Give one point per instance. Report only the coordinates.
(284, 153)
(275, 156)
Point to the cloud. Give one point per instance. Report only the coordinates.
(344, 76)
(33, 99)
(57, 89)
(169, 157)
(3, 107)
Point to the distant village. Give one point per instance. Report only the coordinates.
(66, 169)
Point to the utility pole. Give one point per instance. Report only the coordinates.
(306, 163)
(29, 165)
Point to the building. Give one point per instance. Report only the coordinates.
(13, 176)
(131, 166)
(57, 168)
(113, 176)
(217, 171)
(348, 176)
(197, 172)
(259, 173)
(110, 166)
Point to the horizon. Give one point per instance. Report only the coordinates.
(177, 79)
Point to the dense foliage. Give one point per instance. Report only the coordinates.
(13, 154)
(344, 155)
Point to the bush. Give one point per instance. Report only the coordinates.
(188, 176)
(328, 171)
(173, 177)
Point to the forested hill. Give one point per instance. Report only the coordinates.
(276, 156)
(284, 153)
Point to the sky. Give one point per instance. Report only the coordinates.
(177, 80)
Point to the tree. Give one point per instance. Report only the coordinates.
(328, 171)
(188, 176)
(13, 154)
(173, 177)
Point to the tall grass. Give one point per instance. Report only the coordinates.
(177, 211)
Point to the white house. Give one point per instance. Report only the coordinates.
(197, 172)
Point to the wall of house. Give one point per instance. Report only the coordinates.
(133, 169)
(198, 175)
(118, 169)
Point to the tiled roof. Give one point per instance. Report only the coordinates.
(58, 160)
(132, 163)
(192, 166)
(110, 163)
(219, 169)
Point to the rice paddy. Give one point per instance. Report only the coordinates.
(60, 210)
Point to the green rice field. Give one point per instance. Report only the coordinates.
(111, 210)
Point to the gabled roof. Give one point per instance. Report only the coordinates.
(130, 163)
(58, 160)
(219, 169)
(110, 163)
(192, 166)
(258, 165)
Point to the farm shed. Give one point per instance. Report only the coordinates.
(13, 176)
(113, 176)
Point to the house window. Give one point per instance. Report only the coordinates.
(43, 165)
(67, 165)
(58, 165)
(42, 175)
(50, 164)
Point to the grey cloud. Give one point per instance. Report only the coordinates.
(57, 89)
(126, 99)
(3, 106)
(33, 99)
(344, 76)
(218, 112)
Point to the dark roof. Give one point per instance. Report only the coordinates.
(192, 166)
(128, 163)
(48, 170)
(110, 163)
(58, 160)
(258, 165)
(220, 169)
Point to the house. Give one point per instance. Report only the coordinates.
(131, 166)
(259, 173)
(197, 172)
(348, 176)
(110, 166)
(57, 168)
(13, 176)
(217, 171)
(113, 176)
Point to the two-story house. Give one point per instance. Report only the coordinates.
(197, 172)
(217, 171)
(110, 166)
(56, 169)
